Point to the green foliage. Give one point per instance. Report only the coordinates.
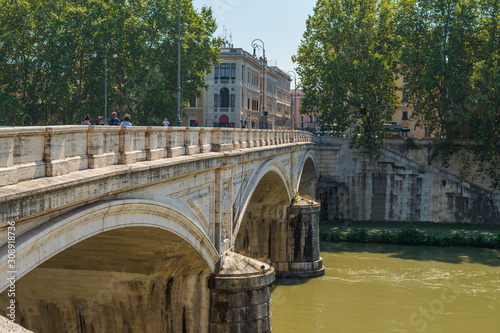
(358, 235)
(478, 240)
(330, 235)
(347, 62)
(387, 237)
(495, 240)
(448, 51)
(53, 52)
(410, 144)
(411, 236)
(450, 58)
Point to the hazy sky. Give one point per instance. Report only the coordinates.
(278, 23)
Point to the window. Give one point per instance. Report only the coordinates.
(233, 100)
(224, 71)
(248, 103)
(405, 115)
(216, 72)
(404, 98)
(311, 119)
(224, 98)
(255, 105)
(301, 118)
(216, 100)
(233, 71)
(192, 103)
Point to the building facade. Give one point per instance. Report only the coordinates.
(234, 97)
(303, 122)
(400, 119)
(403, 113)
(282, 118)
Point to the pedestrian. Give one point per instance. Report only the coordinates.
(165, 122)
(126, 121)
(114, 121)
(99, 121)
(86, 120)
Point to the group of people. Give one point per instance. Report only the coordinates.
(113, 121)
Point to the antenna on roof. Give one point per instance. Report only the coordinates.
(224, 34)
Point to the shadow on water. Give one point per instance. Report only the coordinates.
(452, 255)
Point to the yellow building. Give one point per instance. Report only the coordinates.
(400, 118)
(403, 113)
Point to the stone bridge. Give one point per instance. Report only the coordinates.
(152, 229)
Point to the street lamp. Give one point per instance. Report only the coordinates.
(178, 122)
(256, 45)
(112, 43)
(293, 98)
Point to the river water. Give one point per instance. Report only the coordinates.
(393, 288)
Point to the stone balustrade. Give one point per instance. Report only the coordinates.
(34, 152)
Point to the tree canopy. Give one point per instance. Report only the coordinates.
(353, 51)
(347, 63)
(53, 53)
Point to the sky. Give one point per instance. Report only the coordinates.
(280, 24)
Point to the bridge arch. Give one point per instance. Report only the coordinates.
(307, 177)
(270, 169)
(264, 214)
(76, 226)
(124, 265)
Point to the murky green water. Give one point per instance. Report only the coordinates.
(393, 288)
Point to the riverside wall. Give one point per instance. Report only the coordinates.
(399, 185)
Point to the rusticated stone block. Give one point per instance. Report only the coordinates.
(303, 242)
(241, 295)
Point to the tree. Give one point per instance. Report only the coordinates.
(450, 59)
(347, 63)
(484, 119)
(52, 56)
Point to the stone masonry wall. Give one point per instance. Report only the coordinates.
(394, 187)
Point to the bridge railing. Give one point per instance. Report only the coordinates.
(34, 152)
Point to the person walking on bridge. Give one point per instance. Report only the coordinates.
(86, 120)
(126, 121)
(114, 121)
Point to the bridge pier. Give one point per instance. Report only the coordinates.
(302, 245)
(287, 237)
(241, 295)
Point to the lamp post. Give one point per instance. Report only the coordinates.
(256, 45)
(112, 43)
(293, 98)
(178, 122)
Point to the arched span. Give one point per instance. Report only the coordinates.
(307, 175)
(268, 166)
(53, 237)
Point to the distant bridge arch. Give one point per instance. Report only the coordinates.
(308, 173)
(273, 175)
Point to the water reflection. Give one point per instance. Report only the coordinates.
(393, 288)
